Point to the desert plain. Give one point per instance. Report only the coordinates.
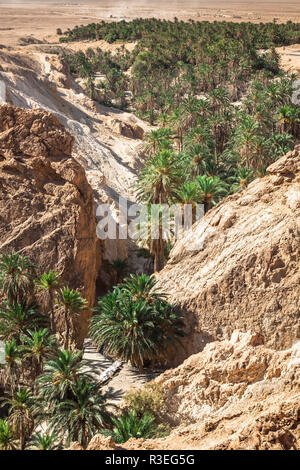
(40, 19)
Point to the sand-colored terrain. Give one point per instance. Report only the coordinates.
(40, 19)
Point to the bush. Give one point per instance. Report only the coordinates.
(149, 399)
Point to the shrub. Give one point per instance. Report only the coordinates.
(149, 399)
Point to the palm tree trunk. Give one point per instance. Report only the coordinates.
(67, 323)
(52, 317)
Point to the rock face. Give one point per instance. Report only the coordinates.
(238, 268)
(110, 159)
(235, 394)
(46, 204)
(130, 130)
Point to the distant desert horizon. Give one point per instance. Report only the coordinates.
(40, 19)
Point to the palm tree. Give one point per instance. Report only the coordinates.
(49, 282)
(156, 138)
(119, 266)
(82, 416)
(59, 376)
(38, 346)
(158, 185)
(20, 414)
(241, 179)
(13, 363)
(189, 194)
(142, 287)
(16, 274)
(16, 319)
(46, 441)
(7, 436)
(73, 304)
(129, 425)
(133, 328)
(211, 188)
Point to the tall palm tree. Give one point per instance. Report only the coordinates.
(20, 414)
(16, 274)
(158, 184)
(13, 363)
(73, 303)
(49, 282)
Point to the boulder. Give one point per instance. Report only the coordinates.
(101, 442)
(130, 130)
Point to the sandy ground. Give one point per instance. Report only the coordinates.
(290, 58)
(125, 380)
(40, 19)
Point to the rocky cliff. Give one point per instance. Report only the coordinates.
(238, 268)
(47, 208)
(236, 394)
(107, 141)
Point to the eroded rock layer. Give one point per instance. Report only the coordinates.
(236, 394)
(47, 207)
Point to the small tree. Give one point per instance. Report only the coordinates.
(49, 282)
(129, 425)
(16, 274)
(8, 439)
(73, 303)
(20, 414)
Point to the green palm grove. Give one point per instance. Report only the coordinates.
(44, 378)
(222, 108)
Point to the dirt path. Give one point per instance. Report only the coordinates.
(127, 378)
(290, 58)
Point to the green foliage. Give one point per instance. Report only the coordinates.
(149, 399)
(37, 346)
(83, 414)
(8, 439)
(21, 414)
(129, 425)
(73, 303)
(16, 273)
(218, 93)
(16, 319)
(60, 375)
(135, 324)
(45, 441)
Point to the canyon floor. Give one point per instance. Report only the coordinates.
(40, 19)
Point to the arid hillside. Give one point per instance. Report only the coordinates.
(235, 394)
(238, 267)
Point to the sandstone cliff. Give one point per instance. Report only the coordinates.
(236, 394)
(238, 268)
(46, 204)
(107, 141)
